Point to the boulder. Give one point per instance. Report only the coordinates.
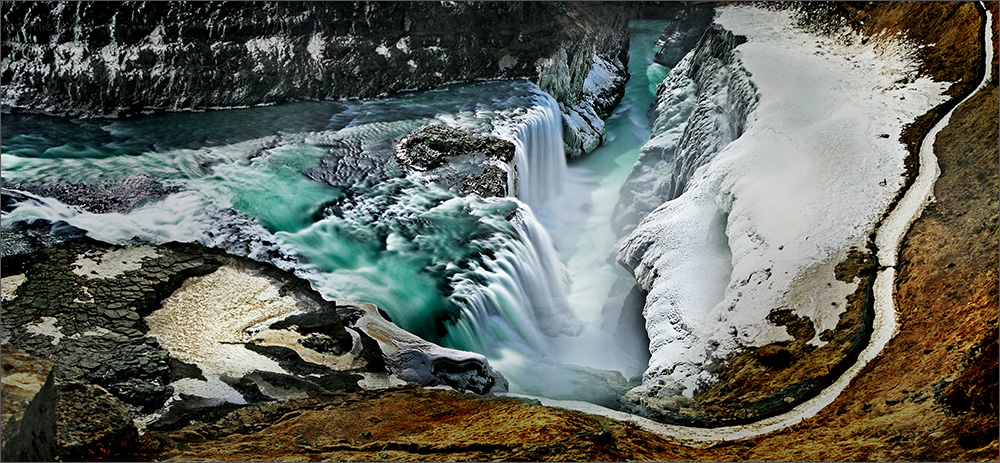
(28, 398)
(92, 424)
(458, 161)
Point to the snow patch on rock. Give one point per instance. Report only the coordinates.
(9, 285)
(46, 326)
(113, 263)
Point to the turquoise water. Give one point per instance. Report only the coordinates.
(314, 187)
(321, 185)
(579, 222)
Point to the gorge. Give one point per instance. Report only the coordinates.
(731, 282)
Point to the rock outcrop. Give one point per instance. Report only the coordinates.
(457, 161)
(204, 328)
(117, 196)
(702, 105)
(28, 396)
(134, 58)
(683, 33)
(93, 424)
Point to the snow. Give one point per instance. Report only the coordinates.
(601, 78)
(316, 45)
(810, 178)
(113, 263)
(46, 326)
(9, 285)
(204, 321)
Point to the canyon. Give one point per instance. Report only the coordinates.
(781, 349)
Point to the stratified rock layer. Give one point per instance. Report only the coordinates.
(184, 321)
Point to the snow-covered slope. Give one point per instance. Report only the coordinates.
(701, 106)
(762, 221)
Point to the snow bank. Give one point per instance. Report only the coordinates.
(761, 225)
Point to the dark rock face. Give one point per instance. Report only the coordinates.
(458, 161)
(683, 33)
(91, 323)
(92, 327)
(91, 420)
(28, 396)
(88, 59)
(20, 237)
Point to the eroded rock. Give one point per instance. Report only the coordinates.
(460, 162)
(91, 422)
(28, 397)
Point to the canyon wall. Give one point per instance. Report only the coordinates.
(120, 60)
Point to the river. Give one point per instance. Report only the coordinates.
(313, 187)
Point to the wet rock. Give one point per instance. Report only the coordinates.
(458, 161)
(113, 196)
(28, 398)
(23, 237)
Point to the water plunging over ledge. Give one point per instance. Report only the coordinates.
(313, 187)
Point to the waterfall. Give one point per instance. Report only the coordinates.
(517, 297)
(539, 152)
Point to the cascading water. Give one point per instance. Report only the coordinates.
(578, 220)
(468, 272)
(314, 187)
(539, 153)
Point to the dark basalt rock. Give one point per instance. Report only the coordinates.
(102, 334)
(24, 237)
(28, 413)
(458, 161)
(435, 145)
(95, 328)
(180, 369)
(91, 422)
(683, 33)
(177, 56)
(118, 196)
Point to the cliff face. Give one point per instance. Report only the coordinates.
(701, 107)
(756, 212)
(98, 60)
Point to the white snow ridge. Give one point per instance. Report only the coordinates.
(762, 223)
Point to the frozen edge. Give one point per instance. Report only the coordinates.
(888, 239)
